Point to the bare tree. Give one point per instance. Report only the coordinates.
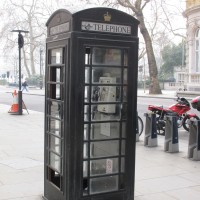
(30, 16)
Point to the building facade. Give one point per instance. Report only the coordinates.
(192, 14)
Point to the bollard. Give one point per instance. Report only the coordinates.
(194, 140)
(171, 144)
(150, 138)
(137, 131)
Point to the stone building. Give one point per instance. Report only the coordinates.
(192, 14)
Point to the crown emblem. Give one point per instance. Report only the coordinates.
(107, 17)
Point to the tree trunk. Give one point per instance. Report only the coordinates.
(25, 63)
(154, 87)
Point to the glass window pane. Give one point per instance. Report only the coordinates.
(105, 112)
(122, 164)
(54, 91)
(124, 111)
(85, 168)
(55, 161)
(55, 74)
(86, 113)
(87, 55)
(55, 126)
(122, 182)
(86, 94)
(103, 184)
(124, 129)
(106, 56)
(105, 130)
(123, 146)
(56, 56)
(85, 150)
(105, 94)
(86, 131)
(125, 94)
(197, 33)
(106, 75)
(87, 75)
(105, 148)
(55, 144)
(125, 81)
(125, 58)
(104, 166)
(55, 109)
(197, 45)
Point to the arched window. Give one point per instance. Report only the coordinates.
(197, 51)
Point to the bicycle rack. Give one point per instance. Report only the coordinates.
(194, 140)
(171, 144)
(150, 138)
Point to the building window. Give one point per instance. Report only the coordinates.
(197, 51)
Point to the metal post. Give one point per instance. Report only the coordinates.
(20, 45)
(19, 63)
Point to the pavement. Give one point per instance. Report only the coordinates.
(159, 175)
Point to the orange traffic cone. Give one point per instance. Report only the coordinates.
(15, 106)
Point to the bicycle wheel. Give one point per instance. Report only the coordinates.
(140, 126)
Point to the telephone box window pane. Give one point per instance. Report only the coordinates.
(54, 91)
(105, 130)
(55, 144)
(87, 75)
(55, 109)
(122, 164)
(85, 150)
(105, 112)
(105, 94)
(125, 58)
(106, 75)
(124, 111)
(56, 56)
(55, 74)
(86, 94)
(125, 81)
(104, 166)
(85, 168)
(55, 126)
(58, 91)
(122, 182)
(125, 94)
(55, 161)
(103, 184)
(106, 56)
(86, 113)
(104, 149)
(87, 55)
(123, 147)
(86, 131)
(124, 129)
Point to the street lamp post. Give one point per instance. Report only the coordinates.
(41, 75)
(20, 45)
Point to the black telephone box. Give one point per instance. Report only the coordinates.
(90, 105)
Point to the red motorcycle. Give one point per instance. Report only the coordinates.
(178, 109)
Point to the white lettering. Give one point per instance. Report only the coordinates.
(110, 28)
